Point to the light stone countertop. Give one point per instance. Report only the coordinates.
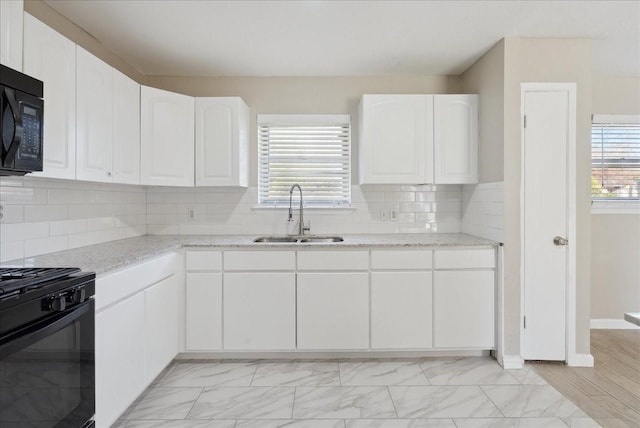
(102, 258)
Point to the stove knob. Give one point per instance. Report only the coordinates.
(57, 304)
(77, 295)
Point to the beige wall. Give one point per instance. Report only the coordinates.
(486, 78)
(546, 60)
(616, 95)
(304, 95)
(615, 238)
(615, 265)
(64, 26)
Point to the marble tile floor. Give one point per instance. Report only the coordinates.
(465, 392)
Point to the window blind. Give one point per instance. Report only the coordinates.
(310, 150)
(615, 159)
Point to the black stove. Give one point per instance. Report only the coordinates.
(47, 347)
(22, 279)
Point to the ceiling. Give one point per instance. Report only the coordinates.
(345, 38)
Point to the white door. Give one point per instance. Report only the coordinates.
(166, 138)
(549, 127)
(222, 142)
(50, 57)
(11, 33)
(396, 139)
(126, 129)
(94, 118)
(455, 139)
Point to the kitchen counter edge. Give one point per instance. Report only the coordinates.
(109, 256)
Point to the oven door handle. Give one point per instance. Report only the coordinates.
(10, 96)
(32, 334)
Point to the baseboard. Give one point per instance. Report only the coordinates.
(613, 324)
(511, 362)
(580, 360)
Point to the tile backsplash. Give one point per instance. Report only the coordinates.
(482, 210)
(41, 216)
(418, 209)
(45, 215)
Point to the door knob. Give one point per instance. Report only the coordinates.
(559, 240)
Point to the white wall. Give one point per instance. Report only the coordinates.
(43, 216)
(482, 207)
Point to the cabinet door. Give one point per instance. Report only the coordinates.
(126, 129)
(396, 139)
(11, 33)
(161, 325)
(120, 358)
(259, 311)
(401, 310)
(222, 142)
(463, 309)
(166, 138)
(50, 57)
(204, 311)
(333, 311)
(456, 138)
(94, 119)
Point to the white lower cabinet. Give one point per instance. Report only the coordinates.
(204, 311)
(137, 331)
(333, 310)
(464, 309)
(120, 349)
(401, 310)
(259, 311)
(161, 326)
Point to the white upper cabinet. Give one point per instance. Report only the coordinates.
(396, 142)
(50, 57)
(11, 33)
(126, 129)
(94, 121)
(222, 142)
(166, 138)
(456, 139)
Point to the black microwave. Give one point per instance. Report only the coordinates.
(21, 122)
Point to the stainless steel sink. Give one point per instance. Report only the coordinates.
(322, 239)
(275, 239)
(301, 239)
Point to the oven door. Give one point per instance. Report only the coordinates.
(47, 371)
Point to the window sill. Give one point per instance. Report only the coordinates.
(319, 210)
(615, 207)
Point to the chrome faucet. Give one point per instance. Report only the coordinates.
(301, 228)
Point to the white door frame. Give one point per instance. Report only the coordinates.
(570, 322)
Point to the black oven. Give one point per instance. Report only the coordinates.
(21, 123)
(47, 352)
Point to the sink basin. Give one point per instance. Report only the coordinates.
(322, 239)
(300, 239)
(275, 239)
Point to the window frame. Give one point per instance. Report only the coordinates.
(614, 205)
(310, 120)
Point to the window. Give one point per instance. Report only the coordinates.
(615, 157)
(310, 150)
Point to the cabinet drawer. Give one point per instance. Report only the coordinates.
(464, 259)
(204, 260)
(333, 260)
(401, 259)
(259, 260)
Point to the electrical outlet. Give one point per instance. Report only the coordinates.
(393, 215)
(191, 214)
(383, 215)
